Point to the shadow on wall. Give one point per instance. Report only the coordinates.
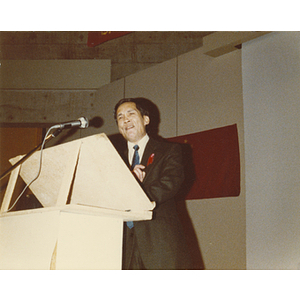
(190, 234)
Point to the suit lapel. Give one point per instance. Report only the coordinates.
(153, 148)
(150, 147)
(125, 157)
(147, 152)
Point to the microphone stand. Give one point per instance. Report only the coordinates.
(47, 139)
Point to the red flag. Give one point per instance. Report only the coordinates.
(215, 167)
(98, 37)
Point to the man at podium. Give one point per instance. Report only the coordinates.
(157, 244)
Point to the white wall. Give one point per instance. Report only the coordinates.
(271, 85)
(209, 91)
(210, 96)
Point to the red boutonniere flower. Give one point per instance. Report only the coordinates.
(150, 160)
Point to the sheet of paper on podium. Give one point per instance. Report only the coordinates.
(88, 171)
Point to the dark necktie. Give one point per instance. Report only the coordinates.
(136, 157)
(135, 161)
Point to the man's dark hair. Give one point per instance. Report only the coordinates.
(139, 105)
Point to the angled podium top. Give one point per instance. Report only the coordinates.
(86, 172)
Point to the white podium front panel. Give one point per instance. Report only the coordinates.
(51, 238)
(87, 242)
(27, 241)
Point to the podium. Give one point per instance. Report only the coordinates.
(87, 192)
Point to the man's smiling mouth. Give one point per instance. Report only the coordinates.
(129, 127)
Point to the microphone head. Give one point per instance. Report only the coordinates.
(84, 122)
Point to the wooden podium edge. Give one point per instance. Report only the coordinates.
(84, 209)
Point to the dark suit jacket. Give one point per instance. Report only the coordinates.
(160, 241)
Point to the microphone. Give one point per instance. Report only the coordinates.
(82, 122)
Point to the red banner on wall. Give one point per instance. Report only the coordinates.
(212, 162)
(98, 37)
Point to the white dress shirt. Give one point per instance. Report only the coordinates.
(142, 145)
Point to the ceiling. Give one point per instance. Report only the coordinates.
(131, 53)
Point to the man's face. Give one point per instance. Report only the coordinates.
(131, 123)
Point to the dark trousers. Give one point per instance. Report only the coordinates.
(131, 256)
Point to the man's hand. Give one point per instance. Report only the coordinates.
(139, 173)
